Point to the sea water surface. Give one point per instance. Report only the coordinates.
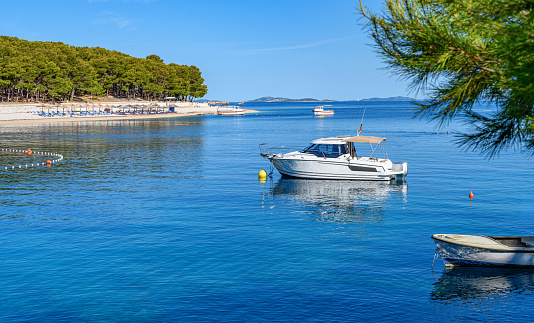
(165, 221)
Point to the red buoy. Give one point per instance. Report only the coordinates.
(471, 195)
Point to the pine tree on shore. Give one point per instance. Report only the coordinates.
(53, 71)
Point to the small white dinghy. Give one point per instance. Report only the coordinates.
(488, 251)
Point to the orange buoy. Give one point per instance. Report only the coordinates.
(29, 151)
(48, 162)
(471, 195)
(447, 132)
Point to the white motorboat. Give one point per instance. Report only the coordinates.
(490, 251)
(320, 111)
(230, 111)
(336, 158)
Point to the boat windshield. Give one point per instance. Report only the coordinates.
(326, 150)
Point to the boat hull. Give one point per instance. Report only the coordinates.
(324, 113)
(331, 169)
(461, 255)
(231, 113)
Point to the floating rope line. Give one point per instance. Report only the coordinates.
(29, 152)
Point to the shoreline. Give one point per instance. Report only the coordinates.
(15, 114)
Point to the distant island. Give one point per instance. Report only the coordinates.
(279, 99)
(393, 98)
(273, 99)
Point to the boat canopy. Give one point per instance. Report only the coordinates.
(365, 139)
(331, 140)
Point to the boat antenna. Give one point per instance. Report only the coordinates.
(361, 123)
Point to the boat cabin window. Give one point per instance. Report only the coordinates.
(326, 150)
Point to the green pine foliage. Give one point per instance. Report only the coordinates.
(462, 52)
(49, 71)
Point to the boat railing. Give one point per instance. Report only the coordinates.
(377, 150)
(266, 150)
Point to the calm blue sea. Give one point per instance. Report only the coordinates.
(166, 221)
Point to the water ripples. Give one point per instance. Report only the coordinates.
(165, 220)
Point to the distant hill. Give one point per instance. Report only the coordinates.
(393, 98)
(273, 99)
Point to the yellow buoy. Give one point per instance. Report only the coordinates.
(262, 175)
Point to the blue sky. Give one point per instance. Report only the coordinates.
(244, 49)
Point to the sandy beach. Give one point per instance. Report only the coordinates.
(29, 113)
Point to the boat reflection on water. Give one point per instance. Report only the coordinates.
(339, 200)
(461, 284)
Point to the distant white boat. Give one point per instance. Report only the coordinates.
(489, 251)
(230, 111)
(320, 111)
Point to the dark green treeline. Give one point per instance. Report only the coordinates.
(33, 71)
